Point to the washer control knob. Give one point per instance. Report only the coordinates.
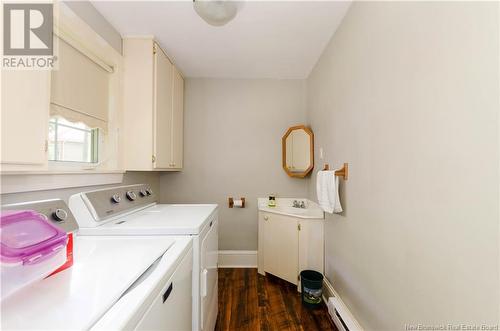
(131, 195)
(149, 191)
(116, 198)
(60, 215)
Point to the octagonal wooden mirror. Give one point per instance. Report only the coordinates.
(298, 151)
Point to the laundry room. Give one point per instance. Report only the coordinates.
(250, 165)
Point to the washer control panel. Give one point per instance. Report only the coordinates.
(55, 210)
(60, 215)
(113, 201)
(131, 195)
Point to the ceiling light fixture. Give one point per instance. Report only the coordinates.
(216, 12)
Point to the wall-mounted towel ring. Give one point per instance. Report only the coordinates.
(343, 172)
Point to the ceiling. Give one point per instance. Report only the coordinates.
(267, 39)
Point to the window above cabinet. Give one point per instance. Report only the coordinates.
(72, 142)
(79, 109)
(68, 119)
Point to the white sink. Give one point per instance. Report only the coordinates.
(294, 210)
(284, 206)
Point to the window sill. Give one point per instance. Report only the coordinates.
(60, 172)
(29, 181)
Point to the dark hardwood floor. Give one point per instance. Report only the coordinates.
(249, 301)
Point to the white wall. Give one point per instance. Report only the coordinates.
(232, 148)
(407, 93)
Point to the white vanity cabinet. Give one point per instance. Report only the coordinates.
(289, 244)
(154, 107)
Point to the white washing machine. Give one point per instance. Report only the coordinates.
(115, 283)
(133, 210)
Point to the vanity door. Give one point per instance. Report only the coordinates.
(281, 246)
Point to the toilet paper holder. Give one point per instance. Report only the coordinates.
(231, 203)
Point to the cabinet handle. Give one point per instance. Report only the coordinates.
(266, 218)
(204, 284)
(167, 292)
(153, 158)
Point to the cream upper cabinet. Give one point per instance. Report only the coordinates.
(24, 120)
(177, 119)
(154, 101)
(162, 110)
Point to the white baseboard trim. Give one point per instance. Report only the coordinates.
(348, 318)
(237, 259)
(328, 290)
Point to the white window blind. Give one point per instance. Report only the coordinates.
(79, 88)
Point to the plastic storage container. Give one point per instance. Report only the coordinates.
(30, 249)
(312, 288)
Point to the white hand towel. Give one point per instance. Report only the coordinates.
(324, 180)
(327, 189)
(334, 194)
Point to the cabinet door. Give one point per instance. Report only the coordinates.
(138, 105)
(311, 242)
(162, 110)
(281, 242)
(177, 119)
(25, 119)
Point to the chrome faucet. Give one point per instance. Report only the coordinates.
(299, 204)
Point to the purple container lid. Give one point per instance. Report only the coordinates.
(28, 237)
